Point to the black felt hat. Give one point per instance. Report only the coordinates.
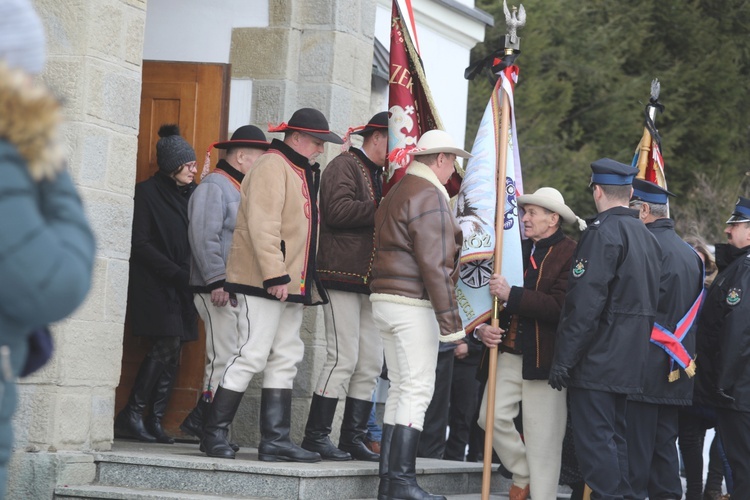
(309, 121)
(247, 136)
(377, 122)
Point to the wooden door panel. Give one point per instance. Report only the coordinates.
(195, 97)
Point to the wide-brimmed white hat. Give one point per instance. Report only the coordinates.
(437, 141)
(551, 199)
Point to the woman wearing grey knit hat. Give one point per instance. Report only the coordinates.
(160, 302)
(46, 247)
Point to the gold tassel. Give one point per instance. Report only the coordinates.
(674, 375)
(690, 370)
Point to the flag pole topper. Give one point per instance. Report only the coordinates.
(514, 20)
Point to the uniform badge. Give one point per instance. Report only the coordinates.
(734, 296)
(579, 268)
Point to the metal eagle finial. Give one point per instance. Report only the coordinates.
(514, 21)
(655, 89)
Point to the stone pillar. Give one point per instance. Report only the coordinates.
(314, 53)
(94, 63)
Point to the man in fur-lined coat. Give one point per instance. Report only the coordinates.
(417, 248)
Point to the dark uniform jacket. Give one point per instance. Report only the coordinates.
(681, 283)
(350, 192)
(609, 310)
(723, 340)
(160, 302)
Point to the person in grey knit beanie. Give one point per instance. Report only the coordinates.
(21, 36)
(172, 150)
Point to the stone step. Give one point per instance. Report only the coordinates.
(182, 467)
(101, 492)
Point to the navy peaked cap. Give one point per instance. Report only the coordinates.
(607, 171)
(650, 192)
(741, 211)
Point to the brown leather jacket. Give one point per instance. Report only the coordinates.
(417, 249)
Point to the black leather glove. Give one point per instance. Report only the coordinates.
(558, 377)
(724, 397)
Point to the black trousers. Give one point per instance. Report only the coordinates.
(599, 433)
(734, 429)
(463, 405)
(653, 464)
(432, 440)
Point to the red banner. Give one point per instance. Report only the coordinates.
(412, 111)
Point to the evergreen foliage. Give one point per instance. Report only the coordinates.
(586, 68)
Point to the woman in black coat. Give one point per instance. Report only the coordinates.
(160, 303)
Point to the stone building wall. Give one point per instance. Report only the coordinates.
(94, 64)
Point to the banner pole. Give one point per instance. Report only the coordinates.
(497, 269)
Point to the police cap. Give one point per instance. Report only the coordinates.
(741, 211)
(649, 192)
(607, 171)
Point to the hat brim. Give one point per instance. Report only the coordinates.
(242, 143)
(327, 137)
(430, 151)
(369, 129)
(559, 208)
(737, 218)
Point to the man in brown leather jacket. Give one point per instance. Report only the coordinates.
(529, 323)
(350, 192)
(417, 249)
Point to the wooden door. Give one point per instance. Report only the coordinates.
(194, 96)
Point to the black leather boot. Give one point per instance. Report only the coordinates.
(219, 416)
(385, 451)
(318, 429)
(159, 400)
(354, 430)
(193, 423)
(402, 474)
(129, 422)
(275, 423)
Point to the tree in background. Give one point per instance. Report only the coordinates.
(585, 81)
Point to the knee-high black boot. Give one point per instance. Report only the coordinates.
(402, 473)
(318, 429)
(193, 423)
(129, 422)
(220, 415)
(159, 401)
(354, 430)
(275, 422)
(385, 451)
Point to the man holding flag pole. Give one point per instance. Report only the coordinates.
(487, 211)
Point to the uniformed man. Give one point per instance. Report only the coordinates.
(652, 416)
(604, 330)
(723, 345)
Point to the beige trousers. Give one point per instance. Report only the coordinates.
(354, 349)
(272, 346)
(410, 341)
(535, 460)
(223, 336)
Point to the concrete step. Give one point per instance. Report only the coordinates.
(183, 468)
(101, 492)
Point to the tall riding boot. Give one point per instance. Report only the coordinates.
(193, 423)
(219, 416)
(160, 398)
(402, 474)
(354, 430)
(385, 451)
(275, 423)
(318, 429)
(129, 422)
